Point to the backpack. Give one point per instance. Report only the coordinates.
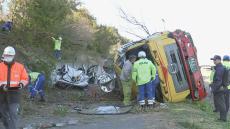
(226, 77)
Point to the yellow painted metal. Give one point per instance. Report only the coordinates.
(157, 50)
(156, 45)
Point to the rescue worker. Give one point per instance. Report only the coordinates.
(211, 80)
(37, 82)
(156, 85)
(13, 77)
(143, 74)
(226, 64)
(217, 88)
(57, 47)
(7, 26)
(126, 79)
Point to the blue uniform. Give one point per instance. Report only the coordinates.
(37, 86)
(7, 26)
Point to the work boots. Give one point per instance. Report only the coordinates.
(42, 99)
(141, 108)
(141, 105)
(32, 98)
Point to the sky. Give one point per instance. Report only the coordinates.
(5, 5)
(208, 21)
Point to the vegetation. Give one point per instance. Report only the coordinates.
(36, 21)
(196, 115)
(60, 110)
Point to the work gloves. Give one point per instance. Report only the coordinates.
(210, 89)
(20, 85)
(152, 78)
(4, 87)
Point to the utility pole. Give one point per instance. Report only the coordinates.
(163, 21)
(1, 12)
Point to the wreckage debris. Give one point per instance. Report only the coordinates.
(104, 110)
(68, 76)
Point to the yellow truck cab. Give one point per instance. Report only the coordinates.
(164, 53)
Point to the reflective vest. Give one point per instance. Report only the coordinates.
(57, 44)
(34, 76)
(17, 75)
(143, 71)
(227, 65)
(212, 75)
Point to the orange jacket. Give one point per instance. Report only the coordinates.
(18, 74)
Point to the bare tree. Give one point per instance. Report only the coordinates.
(1, 9)
(135, 34)
(132, 20)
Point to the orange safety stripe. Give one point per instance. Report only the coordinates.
(11, 82)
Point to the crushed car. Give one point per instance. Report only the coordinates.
(66, 76)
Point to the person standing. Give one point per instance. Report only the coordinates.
(37, 82)
(13, 77)
(217, 88)
(156, 85)
(226, 64)
(57, 47)
(211, 80)
(143, 74)
(126, 79)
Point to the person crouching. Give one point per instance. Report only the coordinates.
(37, 82)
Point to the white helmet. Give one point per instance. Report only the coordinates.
(60, 38)
(141, 54)
(8, 54)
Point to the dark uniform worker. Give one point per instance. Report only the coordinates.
(226, 64)
(217, 88)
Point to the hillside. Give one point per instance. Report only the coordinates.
(84, 40)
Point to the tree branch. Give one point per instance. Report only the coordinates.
(132, 20)
(134, 34)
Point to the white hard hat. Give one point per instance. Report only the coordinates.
(8, 54)
(9, 51)
(141, 54)
(60, 38)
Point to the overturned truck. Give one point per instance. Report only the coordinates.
(175, 58)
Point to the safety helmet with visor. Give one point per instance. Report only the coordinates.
(141, 54)
(60, 38)
(8, 54)
(226, 58)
